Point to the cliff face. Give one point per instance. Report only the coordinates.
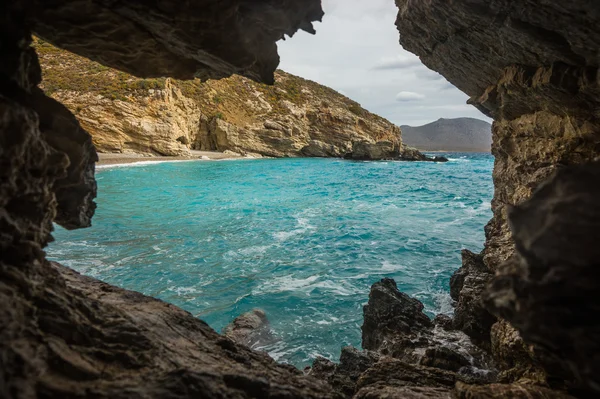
(534, 67)
(295, 117)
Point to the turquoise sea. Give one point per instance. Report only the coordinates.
(302, 239)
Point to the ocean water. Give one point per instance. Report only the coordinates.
(302, 239)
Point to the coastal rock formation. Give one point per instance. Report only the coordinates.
(556, 234)
(404, 352)
(467, 285)
(295, 117)
(533, 66)
(65, 335)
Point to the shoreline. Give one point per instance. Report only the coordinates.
(109, 160)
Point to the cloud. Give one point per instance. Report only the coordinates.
(399, 62)
(408, 96)
(428, 74)
(356, 51)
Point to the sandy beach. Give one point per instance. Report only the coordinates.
(107, 159)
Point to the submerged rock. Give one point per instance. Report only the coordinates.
(251, 329)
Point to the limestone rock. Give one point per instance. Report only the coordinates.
(295, 117)
(380, 150)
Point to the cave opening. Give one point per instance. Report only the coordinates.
(64, 334)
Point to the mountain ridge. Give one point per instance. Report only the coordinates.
(454, 134)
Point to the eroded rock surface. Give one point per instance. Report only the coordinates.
(533, 66)
(65, 335)
(467, 285)
(203, 39)
(550, 298)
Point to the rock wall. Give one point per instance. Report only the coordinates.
(534, 67)
(295, 117)
(65, 335)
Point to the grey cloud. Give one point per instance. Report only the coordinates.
(406, 96)
(356, 51)
(427, 74)
(397, 63)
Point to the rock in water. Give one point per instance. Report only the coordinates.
(251, 329)
(392, 318)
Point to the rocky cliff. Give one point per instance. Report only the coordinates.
(458, 134)
(534, 67)
(294, 117)
(529, 300)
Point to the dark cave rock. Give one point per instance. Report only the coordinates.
(552, 298)
(466, 288)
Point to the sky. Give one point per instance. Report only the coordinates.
(356, 51)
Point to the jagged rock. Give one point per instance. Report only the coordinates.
(517, 360)
(344, 376)
(396, 373)
(251, 329)
(392, 320)
(204, 39)
(76, 191)
(395, 326)
(444, 358)
(466, 288)
(501, 391)
(387, 392)
(556, 236)
(443, 321)
(536, 73)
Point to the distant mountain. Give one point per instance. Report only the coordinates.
(460, 134)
